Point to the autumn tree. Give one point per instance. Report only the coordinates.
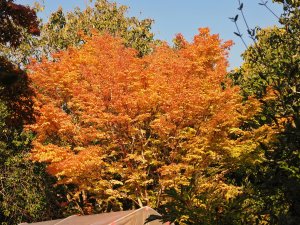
(122, 129)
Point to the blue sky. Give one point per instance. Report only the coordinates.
(178, 16)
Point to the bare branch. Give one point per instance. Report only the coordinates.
(264, 3)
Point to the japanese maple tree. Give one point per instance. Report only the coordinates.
(123, 128)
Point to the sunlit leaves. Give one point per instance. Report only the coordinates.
(116, 124)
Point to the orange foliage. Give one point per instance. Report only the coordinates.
(124, 127)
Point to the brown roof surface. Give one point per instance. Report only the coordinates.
(131, 217)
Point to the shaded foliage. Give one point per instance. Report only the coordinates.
(24, 187)
(16, 93)
(186, 205)
(270, 73)
(14, 18)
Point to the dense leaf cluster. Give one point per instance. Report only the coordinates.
(14, 18)
(123, 128)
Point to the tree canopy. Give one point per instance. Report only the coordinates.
(123, 128)
(63, 30)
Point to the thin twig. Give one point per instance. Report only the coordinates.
(240, 34)
(244, 18)
(265, 4)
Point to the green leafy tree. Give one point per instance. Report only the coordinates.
(188, 206)
(68, 29)
(270, 73)
(63, 30)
